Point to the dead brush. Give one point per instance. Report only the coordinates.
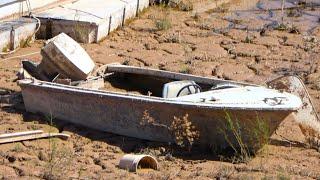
(182, 5)
(182, 130)
(186, 69)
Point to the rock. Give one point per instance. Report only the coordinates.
(20, 156)
(11, 158)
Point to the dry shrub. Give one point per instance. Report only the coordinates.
(181, 129)
(162, 21)
(60, 157)
(185, 69)
(290, 28)
(182, 5)
(59, 162)
(184, 132)
(163, 24)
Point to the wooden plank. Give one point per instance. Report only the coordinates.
(30, 135)
(10, 135)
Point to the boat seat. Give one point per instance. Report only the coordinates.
(180, 88)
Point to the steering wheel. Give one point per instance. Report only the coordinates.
(196, 87)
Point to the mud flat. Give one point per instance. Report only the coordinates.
(88, 21)
(192, 45)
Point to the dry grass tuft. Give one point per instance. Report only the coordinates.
(245, 141)
(182, 5)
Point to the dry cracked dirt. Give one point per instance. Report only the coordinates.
(206, 41)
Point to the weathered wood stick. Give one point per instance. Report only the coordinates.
(9, 135)
(15, 137)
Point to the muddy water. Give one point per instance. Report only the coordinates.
(259, 14)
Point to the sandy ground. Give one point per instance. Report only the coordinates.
(198, 43)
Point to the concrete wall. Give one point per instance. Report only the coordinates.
(14, 34)
(88, 21)
(11, 7)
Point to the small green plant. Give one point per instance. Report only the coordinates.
(293, 13)
(282, 176)
(5, 48)
(59, 158)
(287, 27)
(18, 147)
(248, 40)
(232, 126)
(281, 27)
(185, 69)
(163, 24)
(196, 16)
(245, 140)
(25, 42)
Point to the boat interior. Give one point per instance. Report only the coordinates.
(158, 86)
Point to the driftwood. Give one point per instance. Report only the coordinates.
(29, 135)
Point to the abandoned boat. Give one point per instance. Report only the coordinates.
(147, 103)
(163, 97)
